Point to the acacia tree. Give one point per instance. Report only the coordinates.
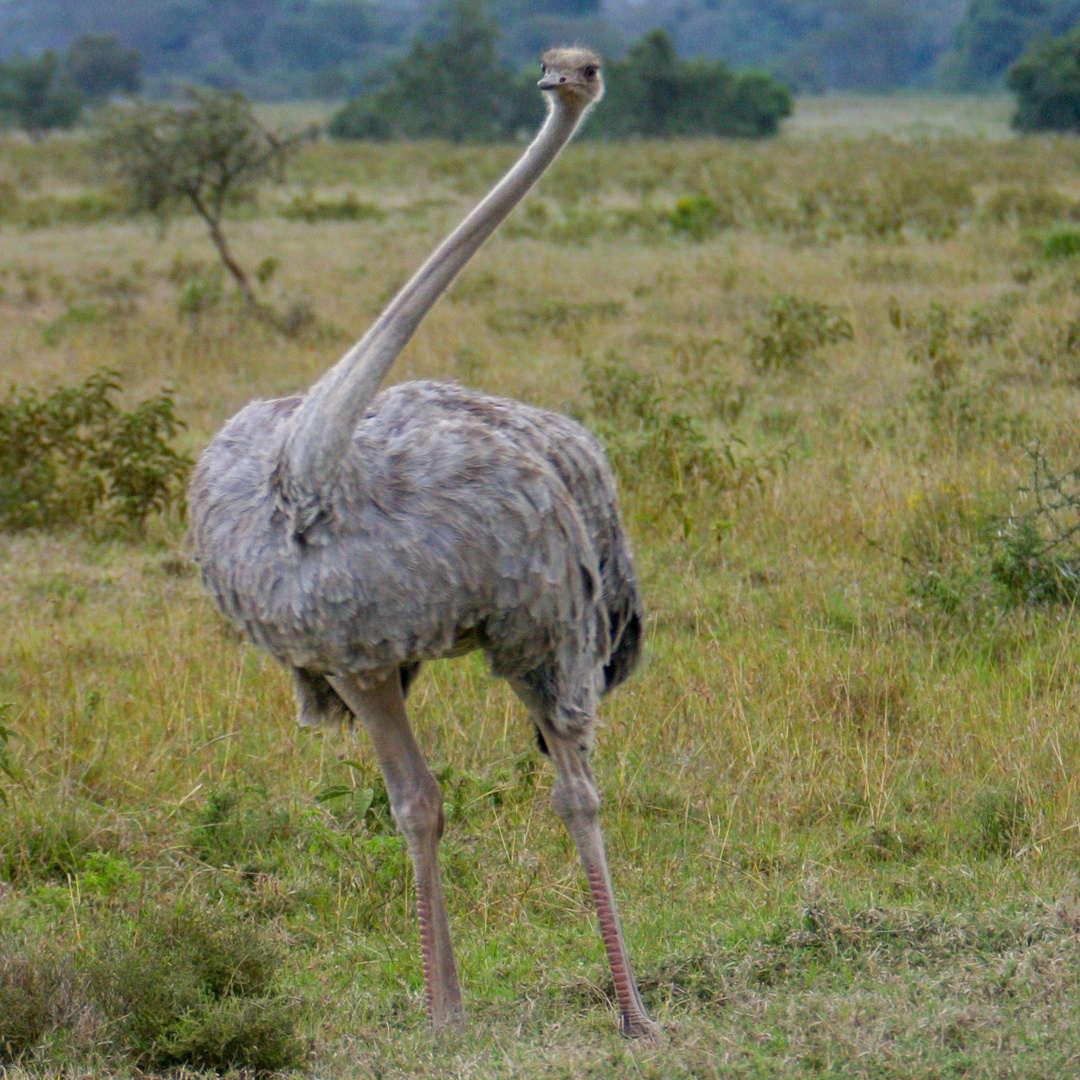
(207, 154)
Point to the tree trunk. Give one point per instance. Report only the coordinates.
(231, 264)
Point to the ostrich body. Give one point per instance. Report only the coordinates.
(354, 536)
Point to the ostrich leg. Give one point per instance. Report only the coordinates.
(417, 804)
(577, 802)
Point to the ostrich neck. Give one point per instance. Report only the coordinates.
(324, 424)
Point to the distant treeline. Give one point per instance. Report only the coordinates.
(455, 89)
(336, 49)
(49, 91)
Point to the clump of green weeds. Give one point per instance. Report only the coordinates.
(309, 209)
(1002, 822)
(353, 802)
(239, 828)
(667, 455)
(38, 847)
(795, 331)
(1062, 242)
(73, 457)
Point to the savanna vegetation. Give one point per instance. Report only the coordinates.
(837, 376)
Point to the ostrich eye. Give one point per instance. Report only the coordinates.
(543, 69)
(590, 73)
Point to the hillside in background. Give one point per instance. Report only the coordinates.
(335, 48)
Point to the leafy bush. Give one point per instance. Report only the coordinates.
(795, 331)
(72, 456)
(1046, 81)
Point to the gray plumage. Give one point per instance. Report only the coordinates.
(459, 521)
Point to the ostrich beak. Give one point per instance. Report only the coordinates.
(551, 80)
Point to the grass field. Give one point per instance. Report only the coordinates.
(842, 800)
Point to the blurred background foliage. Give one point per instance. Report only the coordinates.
(339, 49)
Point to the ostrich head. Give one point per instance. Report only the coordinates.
(573, 74)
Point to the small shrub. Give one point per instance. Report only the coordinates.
(795, 332)
(935, 349)
(265, 271)
(30, 991)
(1061, 243)
(72, 457)
(192, 988)
(257, 1035)
(700, 216)
(1037, 558)
(104, 874)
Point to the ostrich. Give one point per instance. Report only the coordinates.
(354, 536)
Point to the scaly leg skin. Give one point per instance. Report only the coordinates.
(416, 801)
(577, 802)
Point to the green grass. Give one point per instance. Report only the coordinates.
(842, 792)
